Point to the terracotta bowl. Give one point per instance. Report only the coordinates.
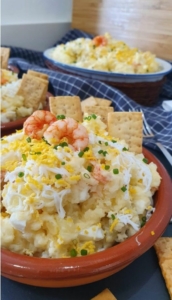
(11, 127)
(66, 272)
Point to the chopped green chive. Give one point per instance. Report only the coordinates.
(106, 143)
(143, 222)
(107, 167)
(93, 116)
(100, 142)
(103, 152)
(113, 141)
(86, 149)
(83, 252)
(28, 140)
(124, 188)
(20, 174)
(86, 175)
(112, 217)
(100, 151)
(63, 162)
(145, 160)
(60, 117)
(89, 168)
(89, 118)
(45, 141)
(38, 152)
(115, 171)
(81, 153)
(58, 176)
(24, 157)
(64, 144)
(124, 149)
(73, 253)
(144, 219)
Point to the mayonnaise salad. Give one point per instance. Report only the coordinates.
(105, 53)
(61, 202)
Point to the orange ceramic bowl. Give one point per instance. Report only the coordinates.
(11, 127)
(66, 272)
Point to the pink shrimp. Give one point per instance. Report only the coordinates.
(100, 40)
(37, 123)
(99, 174)
(75, 133)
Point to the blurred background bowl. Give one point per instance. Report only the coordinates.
(142, 88)
(11, 127)
(66, 272)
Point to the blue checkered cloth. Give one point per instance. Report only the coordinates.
(60, 84)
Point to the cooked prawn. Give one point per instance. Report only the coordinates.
(75, 133)
(100, 40)
(37, 123)
(99, 174)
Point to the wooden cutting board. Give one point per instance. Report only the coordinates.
(146, 24)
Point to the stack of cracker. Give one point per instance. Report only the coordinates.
(33, 88)
(163, 248)
(122, 125)
(70, 106)
(97, 106)
(105, 295)
(5, 54)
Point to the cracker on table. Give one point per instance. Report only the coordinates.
(163, 248)
(93, 101)
(33, 89)
(70, 106)
(101, 111)
(38, 74)
(5, 54)
(104, 295)
(127, 126)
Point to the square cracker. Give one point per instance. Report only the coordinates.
(46, 82)
(93, 101)
(104, 295)
(70, 106)
(163, 248)
(101, 111)
(102, 101)
(127, 126)
(38, 74)
(5, 54)
(33, 89)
